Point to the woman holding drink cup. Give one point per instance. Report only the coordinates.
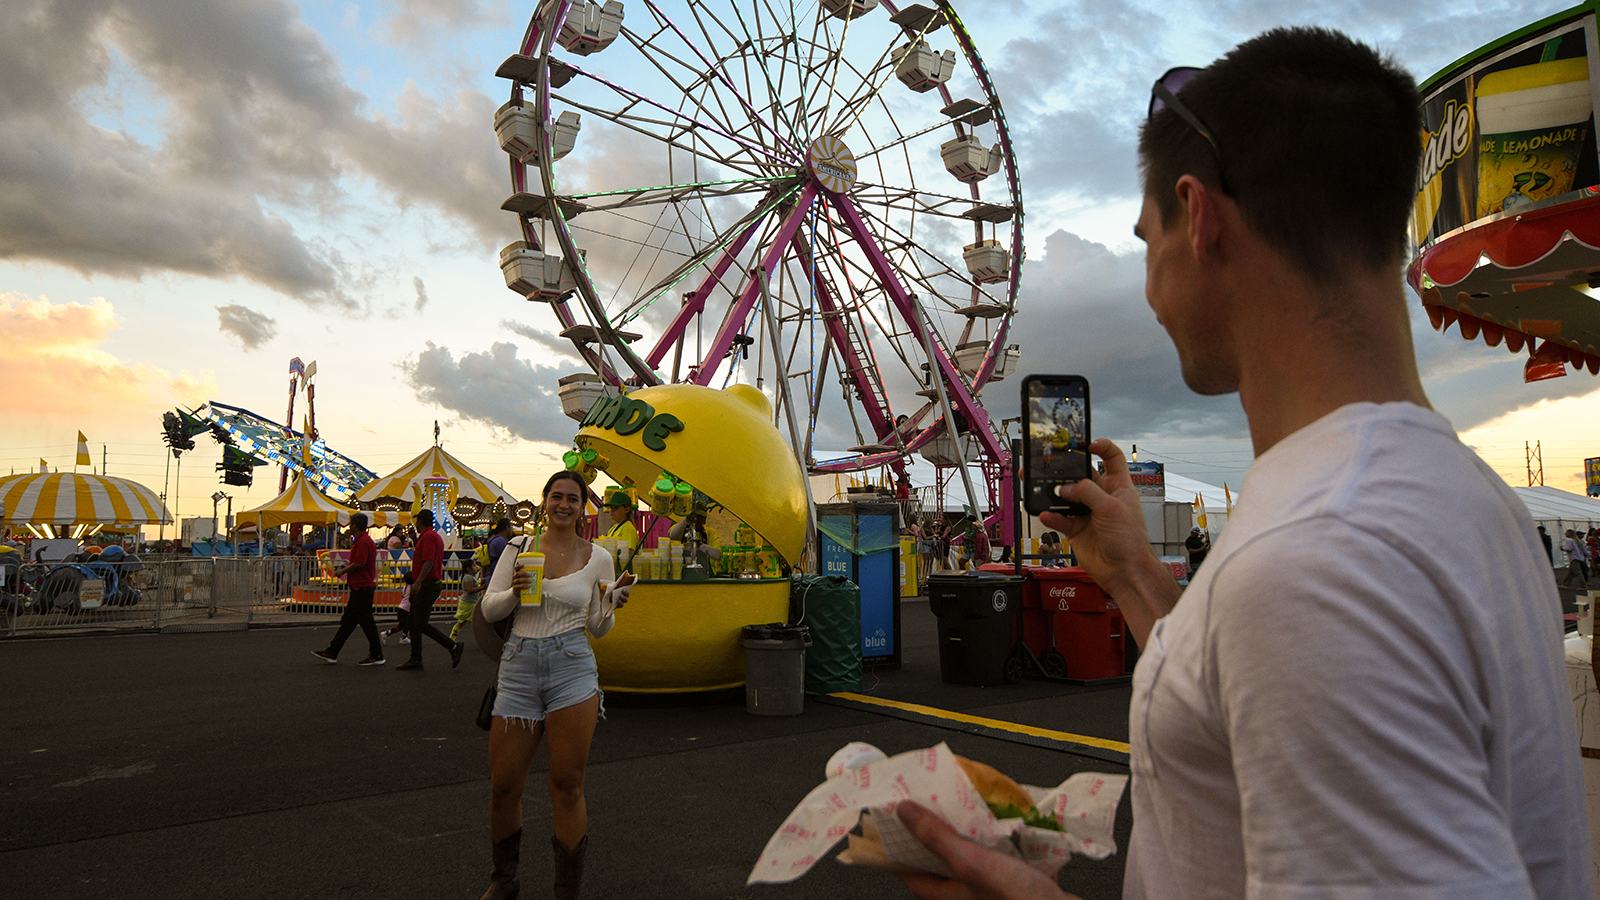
(555, 586)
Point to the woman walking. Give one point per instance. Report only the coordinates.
(548, 688)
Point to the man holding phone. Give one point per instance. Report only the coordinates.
(1347, 703)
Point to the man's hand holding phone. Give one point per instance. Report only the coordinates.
(1111, 544)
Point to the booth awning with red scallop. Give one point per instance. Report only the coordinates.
(1522, 277)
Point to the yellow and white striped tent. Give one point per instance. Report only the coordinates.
(73, 498)
(302, 504)
(435, 463)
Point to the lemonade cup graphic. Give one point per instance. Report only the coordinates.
(1534, 122)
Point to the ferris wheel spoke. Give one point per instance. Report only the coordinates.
(907, 307)
(691, 76)
(913, 200)
(757, 40)
(733, 323)
(947, 270)
(856, 364)
(678, 126)
(874, 81)
(809, 75)
(828, 67)
(725, 248)
(708, 74)
(629, 198)
(695, 302)
(902, 139)
(730, 122)
(716, 70)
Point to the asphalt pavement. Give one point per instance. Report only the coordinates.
(236, 764)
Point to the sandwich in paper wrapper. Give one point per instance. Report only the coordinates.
(861, 778)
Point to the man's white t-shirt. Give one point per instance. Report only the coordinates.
(1361, 696)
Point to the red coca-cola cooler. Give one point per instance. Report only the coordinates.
(1087, 639)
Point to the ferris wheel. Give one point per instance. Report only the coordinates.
(818, 198)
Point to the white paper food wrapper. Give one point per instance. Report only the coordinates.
(862, 778)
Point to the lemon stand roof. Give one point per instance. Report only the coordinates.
(724, 444)
(435, 463)
(71, 498)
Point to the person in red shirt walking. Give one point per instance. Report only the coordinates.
(361, 572)
(427, 580)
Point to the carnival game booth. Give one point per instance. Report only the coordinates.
(314, 584)
(472, 499)
(678, 636)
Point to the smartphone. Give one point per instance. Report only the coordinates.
(1055, 441)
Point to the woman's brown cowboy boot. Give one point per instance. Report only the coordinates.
(503, 880)
(569, 868)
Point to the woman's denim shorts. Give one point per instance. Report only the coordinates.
(541, 675)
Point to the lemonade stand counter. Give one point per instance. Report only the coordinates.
(679, 636)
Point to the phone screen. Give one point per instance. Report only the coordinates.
(1056, 413)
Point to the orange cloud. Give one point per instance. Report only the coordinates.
(55, 375)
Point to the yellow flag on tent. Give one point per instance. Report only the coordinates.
(1200, 507)
(43, 466)
(1228, 496)
(83, 451)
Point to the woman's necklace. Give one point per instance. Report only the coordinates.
(557, 557)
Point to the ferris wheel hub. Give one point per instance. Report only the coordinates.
(832, 164)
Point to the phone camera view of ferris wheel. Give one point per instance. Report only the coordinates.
(1058, 435)
(815, 198)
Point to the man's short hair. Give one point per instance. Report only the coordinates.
(502, 525)
(425, 517)
(358, 521)
(1319, 140)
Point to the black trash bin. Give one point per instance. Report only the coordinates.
(975, 611)
(775, 668)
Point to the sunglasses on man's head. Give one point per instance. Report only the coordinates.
(1164, 94)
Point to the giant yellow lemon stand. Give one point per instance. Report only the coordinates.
(683, 637)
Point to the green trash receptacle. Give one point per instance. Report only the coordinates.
(975, 612)
(775, 668)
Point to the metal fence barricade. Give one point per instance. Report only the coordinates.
(179, 592)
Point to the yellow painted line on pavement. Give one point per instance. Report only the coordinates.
(1013, 727)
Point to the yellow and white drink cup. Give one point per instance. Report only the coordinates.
(1534, 125)
(533, 594)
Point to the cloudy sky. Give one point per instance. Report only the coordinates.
(192, 192)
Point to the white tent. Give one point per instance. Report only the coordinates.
(1558, 510)
(1181, 489)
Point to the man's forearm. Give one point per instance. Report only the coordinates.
(1144, 593)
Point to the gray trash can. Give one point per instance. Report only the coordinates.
(775, 668)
